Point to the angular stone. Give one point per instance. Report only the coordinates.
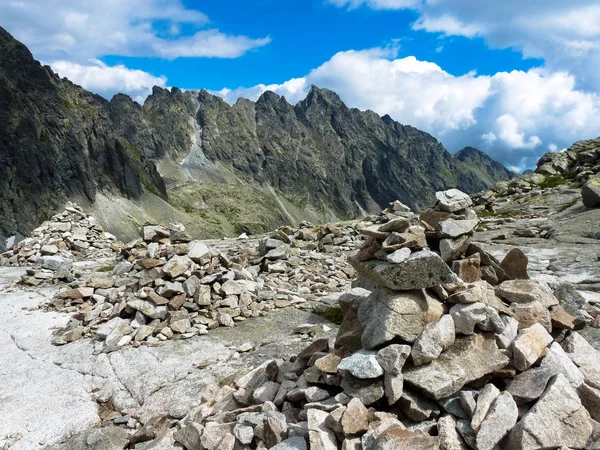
(362, 364)
(320, 436)
(467, 316)
(590, 193)
(202, 295)
(197, 250)
(422, 269)
(557, 419)
(530, 345)
(356, 417)
(177, 266)
(148, 309)
(452, 200)
(448, 434)
(585, 357)
(531, 313)
(388, 314)
(393, 387)
(514, 265)
(435, 338)
(530, 385)
(399, 225)
(101, 282)
(398, 439)
(367, 391)
(451, 249)
(500, 419)
(525, 291)
(486, 397)
(416, 407)
(452, 228)
(214, 433)
(558, 362)
(468, 269)
(590, 398)
(398, 256)
(468, 359)
(190, 436)
(393, 357)
(243, 433)
(328, 363)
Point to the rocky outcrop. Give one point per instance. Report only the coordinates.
(56, 142)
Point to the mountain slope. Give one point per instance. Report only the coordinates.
(318, 153)
(483, 167)
(56, 142)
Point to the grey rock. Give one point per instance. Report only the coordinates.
(486, 397)
(500, 419)
(367, 391)
(422, 269)
(450, 439)
(149, 309)
(363, 364)
(558, 362)
(585, 357)
(452, 200)
(292, 443)
(399, 256)
(393, 357)
(388, 314)
(511, 329)
(467, 316)
(393, 387)
(469, 359)
(451, 249)
(416, 407)
(530, 385)
(197, 250)
(557, 419)
(320, 436)
(452, 228)
(590, 193)
(435, 338)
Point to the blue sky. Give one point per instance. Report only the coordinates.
(514, 79)
(305, 34)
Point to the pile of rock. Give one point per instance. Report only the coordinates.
(52, 247)
(425, 360)
(167, 285)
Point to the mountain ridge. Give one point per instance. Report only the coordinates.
(317, 160)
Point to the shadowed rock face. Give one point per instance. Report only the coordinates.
(56, 142)
(318, 152)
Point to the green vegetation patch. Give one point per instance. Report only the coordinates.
(105, 269)
(228, 209)
(554, 181)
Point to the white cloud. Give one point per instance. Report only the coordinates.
(515, 116)
(77, 31)
(377, 4)
(98, 77)
(565, 34)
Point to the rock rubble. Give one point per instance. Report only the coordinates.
(449, 364)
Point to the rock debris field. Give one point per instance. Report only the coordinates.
(167, 342)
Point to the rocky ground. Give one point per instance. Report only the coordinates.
(459, 332)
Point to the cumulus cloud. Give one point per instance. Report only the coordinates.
(109, 80)
(514, 116)
(77, 31)
(566, 35)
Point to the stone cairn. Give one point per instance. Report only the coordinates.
(167, 285)
(441, 347)
(52, 247)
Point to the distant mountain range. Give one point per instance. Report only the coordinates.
(225, 169)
